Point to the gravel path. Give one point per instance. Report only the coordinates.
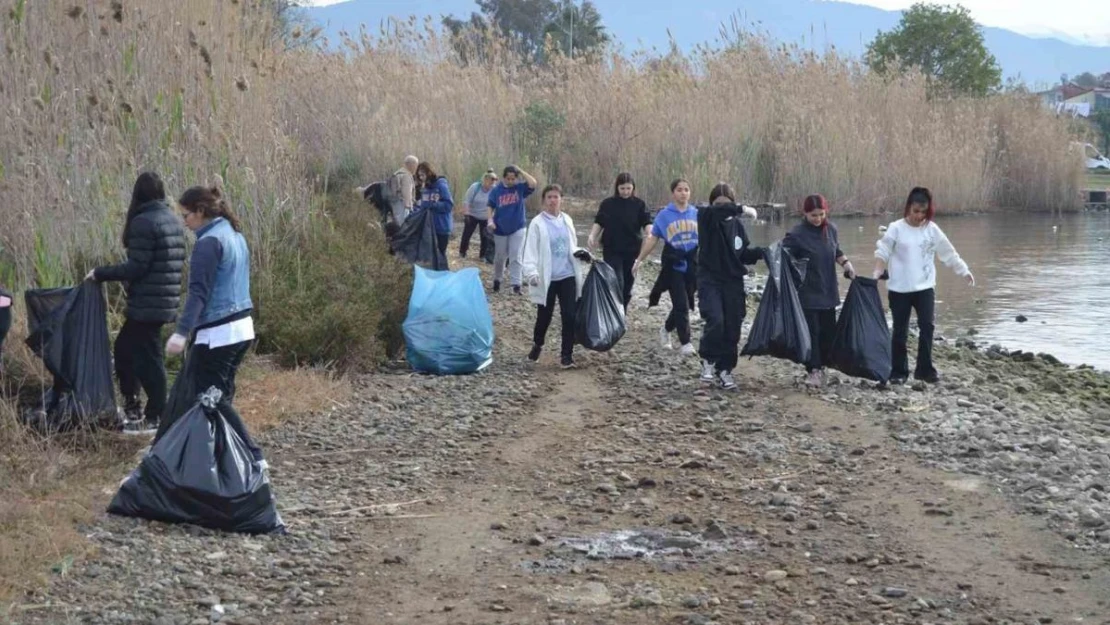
(626, 492)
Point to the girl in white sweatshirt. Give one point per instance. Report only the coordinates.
(908, 250)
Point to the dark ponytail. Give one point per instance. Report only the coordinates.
(148, 188)
(209, 203)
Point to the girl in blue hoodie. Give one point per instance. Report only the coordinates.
(677, 226)
(435, 195)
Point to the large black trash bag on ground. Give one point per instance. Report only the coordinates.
(862, 344)
(201, 472)
(69, 330)
(599, 321)
(779, 328)
(416, 241)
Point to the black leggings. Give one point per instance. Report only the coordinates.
(471, 224)
(822, 331)
(566, 291)
(924, 303)
(140, 361)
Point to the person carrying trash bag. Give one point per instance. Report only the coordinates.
(723, 252)
(861, 347)
(779, 329)
(448, 329)
(552, 273)
(68, 330)
(907, 253)
(817, 241)
(155, 242)
(217, 314)
(621, 224)
(600, 315)
(201, 472)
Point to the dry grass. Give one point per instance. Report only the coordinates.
(267, 395)
(195, 88)
(48, 488)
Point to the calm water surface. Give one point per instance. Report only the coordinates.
(1059, 279)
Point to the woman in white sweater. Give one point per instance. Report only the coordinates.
(908, 251)
(552, 272)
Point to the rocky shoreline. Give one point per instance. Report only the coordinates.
(627, 492)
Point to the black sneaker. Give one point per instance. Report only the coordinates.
(932, 378)
(496, 286)
(132, 410)
(516, 290)
(566, 362)
(534, 355)
(145, 427)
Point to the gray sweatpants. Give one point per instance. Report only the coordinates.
(508, 248)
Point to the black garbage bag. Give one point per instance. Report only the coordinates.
(182, 397)
(779, 328)
(416, 241)
(862, 344)
(201, 473)
(599, 321)
(69, 330)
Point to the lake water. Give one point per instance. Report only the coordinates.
(1059, 279)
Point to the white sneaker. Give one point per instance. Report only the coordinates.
(708, 371)
(688, 350)
(664, 338)
(726, 381)
(814, 379)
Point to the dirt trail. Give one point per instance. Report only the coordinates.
(951, 537)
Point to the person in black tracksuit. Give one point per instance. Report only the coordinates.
(621, 224)
(155, 240)
(816, 240)
(723, 252)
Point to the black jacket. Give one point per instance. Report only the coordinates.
(155, 258)
(723, 245)
(820, 247)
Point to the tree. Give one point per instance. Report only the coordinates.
(1086, 79)
(527, 23)
(577, 29)
(945, 43)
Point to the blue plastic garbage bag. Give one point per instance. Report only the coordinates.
(449, 329)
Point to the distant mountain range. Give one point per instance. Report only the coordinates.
(1039, 61)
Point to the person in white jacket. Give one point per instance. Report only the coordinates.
(552, 272)
(907, 252)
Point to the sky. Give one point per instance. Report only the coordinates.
(1086, 21)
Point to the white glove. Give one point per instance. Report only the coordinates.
(175, 345)
(91, 275)
(970, 279)
(533, 280)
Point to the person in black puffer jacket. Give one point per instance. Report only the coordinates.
(155, 240)
(722, 258)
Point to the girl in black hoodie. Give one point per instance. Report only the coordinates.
(723, 253)
(815, 239)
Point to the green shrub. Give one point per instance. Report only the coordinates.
(335, 297)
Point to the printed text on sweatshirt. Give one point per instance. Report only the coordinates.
(910, 254)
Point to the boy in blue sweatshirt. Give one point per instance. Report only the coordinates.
(506, 221)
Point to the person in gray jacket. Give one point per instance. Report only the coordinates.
(477, 213)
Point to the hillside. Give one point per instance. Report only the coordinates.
(848, 27)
